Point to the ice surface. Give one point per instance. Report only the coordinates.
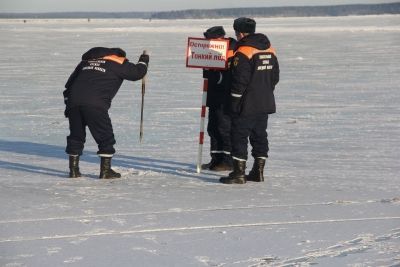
(332, 192)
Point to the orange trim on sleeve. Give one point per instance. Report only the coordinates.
(115, 58)
(249, 51)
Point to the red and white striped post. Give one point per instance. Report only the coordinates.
(202, 122)
(205, 54)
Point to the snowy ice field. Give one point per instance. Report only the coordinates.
(332, 190)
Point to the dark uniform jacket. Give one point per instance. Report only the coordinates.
(98, 77)
(219, 82)
(255, 72)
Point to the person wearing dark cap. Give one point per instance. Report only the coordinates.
(219, 120)
(255, 73)
(88, 95)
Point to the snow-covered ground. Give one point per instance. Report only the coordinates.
(332, 194)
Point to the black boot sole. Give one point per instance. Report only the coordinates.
(254, 180)
(109, 177)
(113, 177)
(227, 180)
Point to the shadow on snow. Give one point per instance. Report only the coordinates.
(57, 152)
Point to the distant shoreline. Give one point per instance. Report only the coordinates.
(263, 12)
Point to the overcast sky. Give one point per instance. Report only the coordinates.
(156, 5)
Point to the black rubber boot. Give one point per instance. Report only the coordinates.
(257, 172)
(74, 167)
(238, 175)
(224, 164)
(105, 169)
(214, 160)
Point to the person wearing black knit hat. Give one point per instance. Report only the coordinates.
(255, 73)
(219, 121)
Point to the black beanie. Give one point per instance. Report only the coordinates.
(214, 32)
(245, 25)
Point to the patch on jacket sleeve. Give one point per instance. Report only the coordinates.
(235, 61)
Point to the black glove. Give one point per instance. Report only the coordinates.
(235, 105)
(144, 58)
(214, 77)
(206, 73)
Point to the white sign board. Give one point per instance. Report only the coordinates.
(207, 53)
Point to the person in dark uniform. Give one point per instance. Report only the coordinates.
(88, 95)
(219, 120)
(255, 73)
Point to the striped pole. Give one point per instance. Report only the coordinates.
(202, 120)
(141, 108)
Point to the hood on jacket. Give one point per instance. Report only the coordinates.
(257, 40)
(99, 52)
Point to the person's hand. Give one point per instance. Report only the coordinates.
(144, 58)
(66, 111)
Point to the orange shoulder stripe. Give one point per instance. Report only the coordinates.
(115, 58)
(230, 53)
(249, 51)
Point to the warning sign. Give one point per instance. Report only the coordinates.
(207, 53)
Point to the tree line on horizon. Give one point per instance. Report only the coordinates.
(288, 11)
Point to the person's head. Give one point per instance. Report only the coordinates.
(215, 32)
(244, 26)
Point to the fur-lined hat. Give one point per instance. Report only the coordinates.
(244, 25)
(214, 32)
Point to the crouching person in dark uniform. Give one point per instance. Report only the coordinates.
(255, 72)
(219, 120)
(88, 95)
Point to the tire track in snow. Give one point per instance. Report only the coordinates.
(193, 228)
(178, 210)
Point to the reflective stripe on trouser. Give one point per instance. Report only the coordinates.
(253, 128)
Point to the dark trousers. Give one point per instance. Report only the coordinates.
(99, 123)
(219, 130)
(253, 128)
